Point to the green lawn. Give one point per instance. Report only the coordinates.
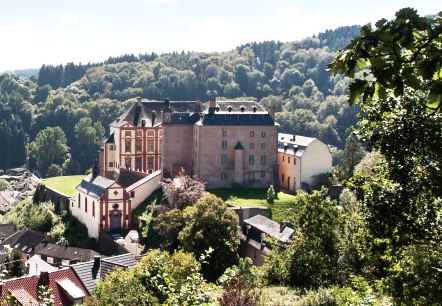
(250, 197)
(64, 184)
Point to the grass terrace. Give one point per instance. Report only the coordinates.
(250, 197)
(63, 184)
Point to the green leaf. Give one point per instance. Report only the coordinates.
(356, 89)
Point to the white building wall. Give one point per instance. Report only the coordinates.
(316, 159)
(91, 220)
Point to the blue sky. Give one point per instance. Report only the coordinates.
(36, 32)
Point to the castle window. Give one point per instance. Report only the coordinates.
(139, 133)
(288, 159)
(150, 133)
(224, 133)
(132, 194)
(138, 164)
(128, 146)
(263, 145)
(127, 217)
(79, 200)
(93, 209)
(150, 162)
(138, 145)
(263, 159)
(251, 159)
(160, 143)
(224, 144)
(127, 133)
(252, 133)
(85, 204)
(111, 147)
(283, 158)
(294, 161)
(224, 159)
(263, 134)
(160, 133)
(252, 145)
(111, 164)
(263, 174)
(223, 176)
(150, 146)
(282, 178)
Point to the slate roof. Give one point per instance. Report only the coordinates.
(297, 146)
(62, 283)
(184, 118)
(110, 263)
(6, 230)
(64, 252)
(127, 178)
(144, 111)
(89, 272)
(236, 106)
(94, 186)
(25, 239)
(237, 119)
(270, 227)
(111, 139)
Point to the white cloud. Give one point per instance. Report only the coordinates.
(68, 18)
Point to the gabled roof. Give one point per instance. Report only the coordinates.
(110, 263)
(25, 240)
(64, 284)
(293, 144)
(90, 272)
(127, 178)
(36, 265)
(64, 252)
(111, 139)
(150, 112)
(235, 106)
(94, 186)
(270, 227)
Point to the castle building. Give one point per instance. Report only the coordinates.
(231, 144)
(135, 141)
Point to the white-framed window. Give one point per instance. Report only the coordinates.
(150, 133)
(139, 133)
(224, 133)
(150, 146)
(127, 133)
(263, 145)
(263, 134)
(252, 146)
(138, 145)
(224, 144)
(252, 133)
(128, 145)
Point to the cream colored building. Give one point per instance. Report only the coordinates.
(300, 159)
(231, 144)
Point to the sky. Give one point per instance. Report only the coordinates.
(53, 32)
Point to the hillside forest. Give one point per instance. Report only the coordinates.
(55, 122)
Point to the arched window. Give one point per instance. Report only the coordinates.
(85, 204)
(79, 200)
(93, 209)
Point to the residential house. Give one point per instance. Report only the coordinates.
(63, 255)
(253, 244)
(300, 160)
(90, 272)
(6, 230)
(66, 288)
(25, 240)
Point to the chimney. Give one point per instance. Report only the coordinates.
(271, 111)
(166, 103)
(44, 278)
(139, 100)
(154, 115)
(293, 137)
(97, 261)
(95, 169)
(143, 123)
(212, 106)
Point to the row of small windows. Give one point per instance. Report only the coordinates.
(263, 159)
(139, 145)
(288, 159)
(251, 146)
(140, 133)
(252, 134)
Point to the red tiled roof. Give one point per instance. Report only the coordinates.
(30, 284)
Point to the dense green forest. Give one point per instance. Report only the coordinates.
(292, 77)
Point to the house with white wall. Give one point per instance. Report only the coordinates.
(300, 160)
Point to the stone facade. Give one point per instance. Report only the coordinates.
(231, 144)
